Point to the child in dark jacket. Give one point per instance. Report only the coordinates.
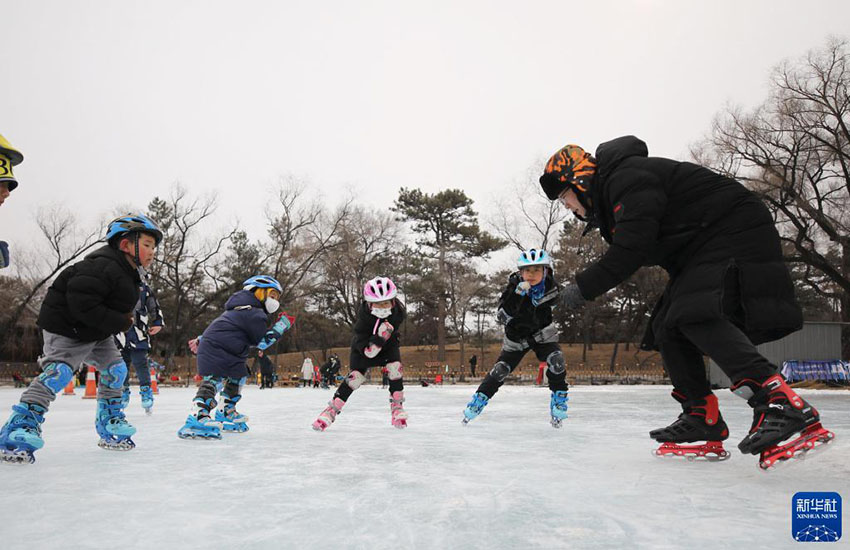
(85, 306)
(223, 350)
(135, 344)
(375, 344)
(526, 311)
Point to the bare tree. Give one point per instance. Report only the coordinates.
(794, 151)
(182, 261)
(526, 218)
(65, 242)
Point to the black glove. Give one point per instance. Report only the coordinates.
(502, 317)
(377, 340)
(570, 298)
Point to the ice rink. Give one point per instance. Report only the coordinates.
(508, 480)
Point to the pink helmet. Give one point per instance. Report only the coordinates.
(379, 289)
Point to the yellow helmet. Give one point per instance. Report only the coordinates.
(9, 157)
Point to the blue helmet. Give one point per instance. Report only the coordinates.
(262, 281)
(132, 223)
(533, 256)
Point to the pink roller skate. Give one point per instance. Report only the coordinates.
(399, 416)
(327, 416)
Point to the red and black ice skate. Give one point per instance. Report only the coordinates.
(700, 421)
(778, 415)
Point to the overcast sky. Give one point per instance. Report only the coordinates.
(113, 102)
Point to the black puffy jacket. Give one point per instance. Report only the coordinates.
(714, 237)
(526, 318)
(364, 328)
(92, 299)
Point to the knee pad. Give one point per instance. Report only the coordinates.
(56, 376)
(394, 370)
(500, 371)
(556, 362)
(114, 375)
(354, 379)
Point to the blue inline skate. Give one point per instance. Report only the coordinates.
(146, 393)
(200, 428)
(112, 426)
(474, 407)
(558, 407)
(20, 437)
(231, 420)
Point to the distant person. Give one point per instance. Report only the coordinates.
(266, 370)
(85, 305)
(525, 309)
(306, 372)
(729, 287)
(329, 371)
(9, 158)
(375, 344)
(223, 351)
(473, 362)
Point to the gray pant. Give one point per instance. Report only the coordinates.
(102, 354)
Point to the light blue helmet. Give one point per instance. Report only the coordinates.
(533, 256)
(262, 281)
(132, 223)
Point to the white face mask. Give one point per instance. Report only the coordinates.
(382, 313)
(271, 305)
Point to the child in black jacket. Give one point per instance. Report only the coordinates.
(86, 305)
(375, 344)
(526, 311)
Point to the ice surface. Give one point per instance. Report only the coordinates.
(508, 480)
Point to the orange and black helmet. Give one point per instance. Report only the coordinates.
(571, 166)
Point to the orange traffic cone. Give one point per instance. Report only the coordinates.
(69, 389)
(154, 385)
(91, 385)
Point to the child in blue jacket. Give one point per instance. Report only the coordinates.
(223, 350)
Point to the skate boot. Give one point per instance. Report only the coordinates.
(112, 426)
(398, 414)
(327, 416)
(558, 407)
(779, 414)
(231, 420)
(146, 394)
(200, 425)
(474, 407)
(20, 437)
(700, 421)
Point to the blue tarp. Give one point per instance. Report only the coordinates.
(794, 371)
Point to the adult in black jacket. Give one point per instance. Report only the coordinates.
(729, 288)
(266, 370)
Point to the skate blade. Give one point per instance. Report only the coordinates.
(198, 436)
(813, 440)
(235, 428)
(400, 424)
(148, 412)
(709, 452)
(17, 457)
(123, 445)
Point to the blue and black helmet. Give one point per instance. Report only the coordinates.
(533, 256)
(132, 223)
(262, 281)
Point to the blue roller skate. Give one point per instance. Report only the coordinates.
(231, 420)
(146, 393)
(20, 437)
(112, 426)
(558, 407)
(200, 428)
(474, 407)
